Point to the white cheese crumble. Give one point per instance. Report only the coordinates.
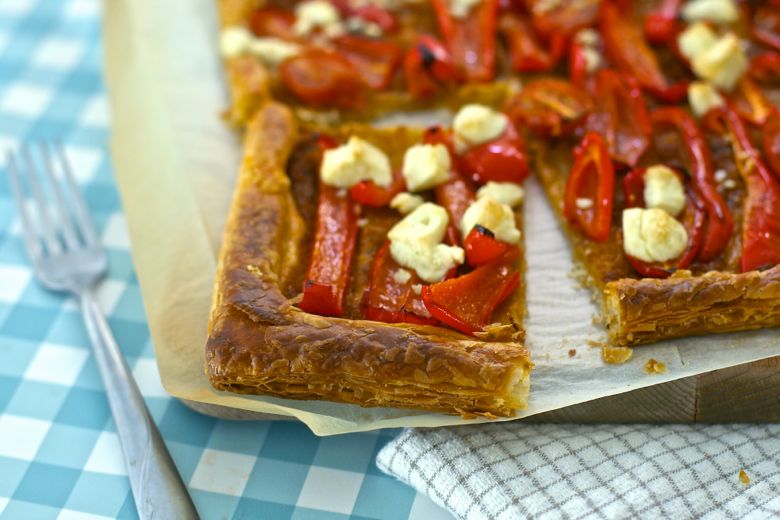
(664, 190)
(235, 41)
(317, 15)
(695, 39)
(723, 64)
(406, 202)
(703, 97)
(583, 203)
(652, 235)
(426, 166)
(402, 276)
(491, 214)
(415, 243)
(461, 8)
(717, 11)
(357, 160)
(417, 288)
(476, 124)
(509, 193)
(721, 175)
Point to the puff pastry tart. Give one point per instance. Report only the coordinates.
(381, 267)
(660, 151)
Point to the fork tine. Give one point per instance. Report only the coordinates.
(68, 230)
(82, 215)
(49, 232)
(31, 241)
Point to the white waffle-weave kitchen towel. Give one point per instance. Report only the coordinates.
(513, 470)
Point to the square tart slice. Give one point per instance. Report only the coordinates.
(723, 293)
(260, 341)
(348, 60)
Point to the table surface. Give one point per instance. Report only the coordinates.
(59, 453)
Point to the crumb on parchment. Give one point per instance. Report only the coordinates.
(572, 352)
(743, 477)
(616, 355)
(655, 367)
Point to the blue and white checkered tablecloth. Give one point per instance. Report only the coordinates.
(59, 453)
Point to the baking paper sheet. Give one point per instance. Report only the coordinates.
(176, 162)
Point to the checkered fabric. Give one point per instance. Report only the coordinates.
(505, 470)
(59, 452)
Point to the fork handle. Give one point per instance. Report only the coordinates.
(158, 490)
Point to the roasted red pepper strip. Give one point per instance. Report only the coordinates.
(526, 50)
(550, 107)
(428, 67)
(761, 220)
(765, 67)
(693, 218)
(770, 140)
(471, 40)
(620, 116)
(376, 61)
(766, 26)
(368, 193)
(578, 65)
(482, 247)
(563, 18)
(457, 194)
(592, 177)
(720, 222)
(627, 49)
(389, 300)
(323, 77)
(661, 24)
(501, 160)
(467, 303)
(751, 103)
(335, 234)
(273, 21)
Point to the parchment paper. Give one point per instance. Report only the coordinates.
(176, 163)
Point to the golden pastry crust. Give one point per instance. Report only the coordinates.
(259, 342)
(640, 311)
(636, 311)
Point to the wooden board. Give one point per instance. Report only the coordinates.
(744, 393)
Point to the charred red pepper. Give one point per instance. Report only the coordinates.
(661, 24)
(467, 303)
(335, 235)
(527, 51)
(751, 103)
(591, 178)
(389, 300)
(563, 18)
(765, 67)
(620, 116)
(766, 26)
(720, 222)
(471, 40)
(770, 140)
(628, 50)
(482, 247)
(368, 193)
(323, 77)
(428, 67)
(273, 21)
(761, 221)
(693, 218)
(550, 107)
(500, 160)
(376, 61)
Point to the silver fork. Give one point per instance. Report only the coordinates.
(67, 256)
